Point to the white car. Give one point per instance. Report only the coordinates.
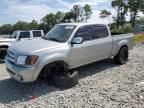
(17, 36)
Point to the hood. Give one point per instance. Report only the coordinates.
(6, 39)
(33, 46)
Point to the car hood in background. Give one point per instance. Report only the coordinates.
(6, 39)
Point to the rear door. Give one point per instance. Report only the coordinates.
(101, 43)
(37, 34)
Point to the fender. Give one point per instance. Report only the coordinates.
(121, 44)
(4, 44)
(50, 59)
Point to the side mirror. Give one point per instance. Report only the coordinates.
(77, 40)
(18, 39)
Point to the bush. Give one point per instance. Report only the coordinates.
(128, 28)
(114, 30)
(117, 30)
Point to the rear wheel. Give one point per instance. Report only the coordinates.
(3, 52)
(122, 56)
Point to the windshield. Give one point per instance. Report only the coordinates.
(60, 33)
(14, 35)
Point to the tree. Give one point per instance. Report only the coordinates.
(6, 29)
(76, 11)
(59, 15)
(49, 21)
(33, 25)
(122, 8)
(140, 21)
(135, 6)
(69, 17)
(20, 25)
(105, 14)
(87, 11)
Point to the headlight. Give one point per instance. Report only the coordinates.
(27, 60)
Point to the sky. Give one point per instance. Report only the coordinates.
(12, 11)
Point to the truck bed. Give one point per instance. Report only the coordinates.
(119, 38)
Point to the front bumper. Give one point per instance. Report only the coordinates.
(21, 74)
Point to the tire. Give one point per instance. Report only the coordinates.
(49, 71)
(66, 81)
(122, 57)
(3, 52)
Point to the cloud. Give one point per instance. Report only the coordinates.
(91, 2)
(26, 10)
(30, 12)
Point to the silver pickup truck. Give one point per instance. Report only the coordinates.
(17, 36)
(66, 47)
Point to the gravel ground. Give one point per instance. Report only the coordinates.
(101, 85)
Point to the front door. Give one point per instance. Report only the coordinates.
(80, 54)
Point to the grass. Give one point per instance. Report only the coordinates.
(139, 38)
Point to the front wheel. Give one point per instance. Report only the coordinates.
(122, 56)
(65, 81)
(3, 52)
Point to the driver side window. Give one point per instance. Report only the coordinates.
(85, 33)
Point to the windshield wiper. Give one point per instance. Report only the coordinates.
(54, 39)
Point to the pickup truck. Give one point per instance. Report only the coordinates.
(17, 36)
(64, 48)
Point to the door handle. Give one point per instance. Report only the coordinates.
(89, 45)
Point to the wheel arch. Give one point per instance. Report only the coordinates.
(43, 64)
(121, 48)
(121, 44)
(4, 46)
(62, 63)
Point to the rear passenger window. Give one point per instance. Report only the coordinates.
(37, 34)
(100, 32)
(24, 35)
(85, 33)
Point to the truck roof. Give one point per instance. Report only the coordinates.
(26, 30)
(81, 24)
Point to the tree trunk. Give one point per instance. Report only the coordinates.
(134, 19)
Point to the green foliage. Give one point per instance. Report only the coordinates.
(59, 15)
(6, 29)
(121, 8)
(33, 25)
(69, 17)
(87, 11)
(20, 25)
(135, 6)
(140, 21)
(128, 28)
(50, 19)
(105, 14)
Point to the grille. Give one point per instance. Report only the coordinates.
(11, 56)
